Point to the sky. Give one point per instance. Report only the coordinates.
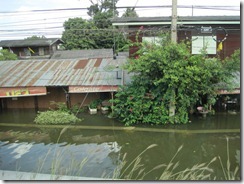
(18, 20)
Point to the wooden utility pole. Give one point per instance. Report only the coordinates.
(173, 40)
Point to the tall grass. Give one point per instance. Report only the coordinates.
(136, 170)
(73, 169)
(228, 174)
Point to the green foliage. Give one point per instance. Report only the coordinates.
(130, 12)
(60, 114)
(6, 55)
(61, 106)
(95, 103)
(55, 117)
(34, 37)
(79, 34)
(160, 70)
(95, 33)
(107, 7)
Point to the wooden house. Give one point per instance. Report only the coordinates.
(221, 34)
(75, 81)
(32, 48)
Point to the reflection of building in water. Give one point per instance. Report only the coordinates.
(20, 149)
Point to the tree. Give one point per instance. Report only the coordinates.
(130, 12)
(97, 32)
(157, 70)
(101, 13)
(34, 37)
(79, 34)
(103, 6)
(6, 55)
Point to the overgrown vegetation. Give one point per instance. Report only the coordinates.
(60, 115)
(55, 117)
(167, 71)
(6, 55)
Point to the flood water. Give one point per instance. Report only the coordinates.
(98, 152)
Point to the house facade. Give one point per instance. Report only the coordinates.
(220, 34)
(41, 48)
(35, 83)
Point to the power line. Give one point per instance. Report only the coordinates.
(125, 7)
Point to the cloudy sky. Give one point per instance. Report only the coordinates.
(18, 20)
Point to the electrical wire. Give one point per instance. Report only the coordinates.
(46, 28)
(125, 7)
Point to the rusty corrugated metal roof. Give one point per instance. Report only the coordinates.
(65, 72)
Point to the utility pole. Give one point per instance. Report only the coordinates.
(173, 40)
(174, 22)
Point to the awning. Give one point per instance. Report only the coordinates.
(92, 89)
(228, 92)
(22, 91)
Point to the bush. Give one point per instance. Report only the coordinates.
(55, 117)
(6, 55)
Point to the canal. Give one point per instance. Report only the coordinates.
(100, 147)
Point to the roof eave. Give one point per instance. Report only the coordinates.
(179, 22)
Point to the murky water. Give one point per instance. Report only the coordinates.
(97, 152)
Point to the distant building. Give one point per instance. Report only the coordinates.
(41, 48)
(221, 34)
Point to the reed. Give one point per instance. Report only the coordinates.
(136, 170)
(228, 174)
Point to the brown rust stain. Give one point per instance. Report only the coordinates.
(81, 64)
(98, 62)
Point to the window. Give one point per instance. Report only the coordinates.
(155, 40)
(203, 41)
(41, 51)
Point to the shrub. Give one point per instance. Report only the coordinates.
(55, 117)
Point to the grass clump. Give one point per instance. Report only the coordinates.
(56, 118)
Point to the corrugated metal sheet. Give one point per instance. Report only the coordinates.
(29, 42)
(91, 53)
(60, 72)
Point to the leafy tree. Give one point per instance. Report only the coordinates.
(158, 70)
(102, 11)
(34, 37)
(130, 12)
(79, 34)
(97, 32)
(6, 55)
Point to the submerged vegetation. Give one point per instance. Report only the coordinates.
(60, 115)
(55, 117)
